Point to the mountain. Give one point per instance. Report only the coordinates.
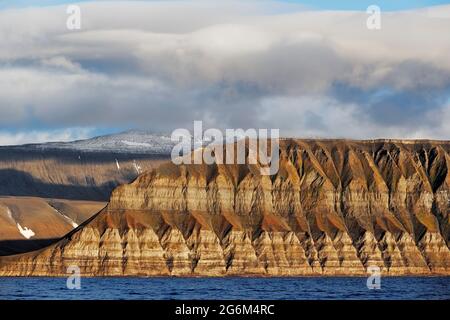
(47, 189)
(335, 207)
(133, 141)
(80, 170)
(69, 174)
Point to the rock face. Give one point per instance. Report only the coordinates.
(334, 208)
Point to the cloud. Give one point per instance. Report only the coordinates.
(25, 137)
(161, 66)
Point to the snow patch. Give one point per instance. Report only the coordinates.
(73, 223)
(137, 167)
(141, 142)
(9, 214)
(136, 144)
(27, 233)
(117, 164)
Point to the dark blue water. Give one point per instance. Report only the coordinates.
(226, 288)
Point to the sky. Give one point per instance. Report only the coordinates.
(309, 68)
(316, 4)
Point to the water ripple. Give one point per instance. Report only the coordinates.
(225, 288)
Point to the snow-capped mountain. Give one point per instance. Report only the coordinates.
(134, 141)
(125, 142)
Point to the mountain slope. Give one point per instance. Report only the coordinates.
(69, 174)
(134, 141)
(29, 223)
(334, 208)
(40, 183)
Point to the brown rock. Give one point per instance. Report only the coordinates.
(334, 208)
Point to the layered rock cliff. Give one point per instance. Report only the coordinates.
(334, 208)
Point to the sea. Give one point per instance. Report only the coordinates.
(315, 288)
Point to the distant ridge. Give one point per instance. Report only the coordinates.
(133, 141)
(148, 142)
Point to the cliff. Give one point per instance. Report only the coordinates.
(334, 208)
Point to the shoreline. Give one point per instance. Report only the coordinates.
(434, 275)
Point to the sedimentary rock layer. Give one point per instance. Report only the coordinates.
(334, 208)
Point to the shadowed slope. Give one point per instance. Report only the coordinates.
(69, 174)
